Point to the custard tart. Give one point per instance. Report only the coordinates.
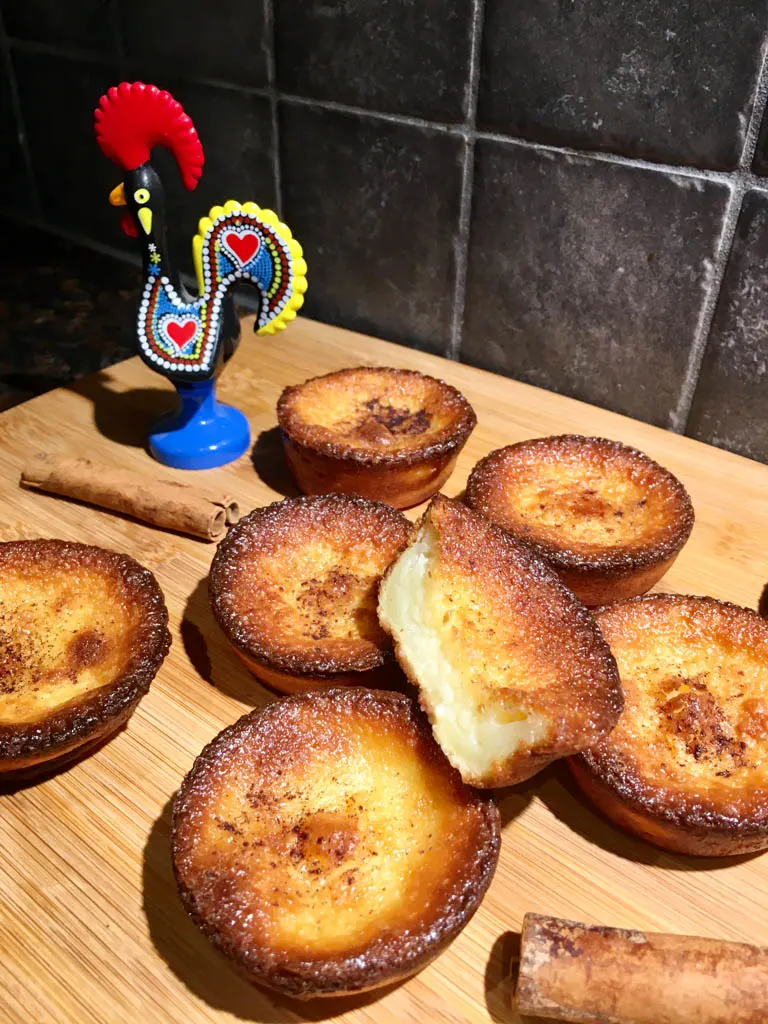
(606, 517)
(294, 588)
(83, 632)
(686, 766)
(326, 846)
(387, 434)
(511, 668)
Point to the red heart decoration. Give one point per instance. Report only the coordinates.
(181, 333)
(244, 246)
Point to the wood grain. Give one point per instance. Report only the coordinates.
(91, 930)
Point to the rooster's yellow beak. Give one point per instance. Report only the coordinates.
(145, 216)
(117, 196)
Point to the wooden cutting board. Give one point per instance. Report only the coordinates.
(91, 929)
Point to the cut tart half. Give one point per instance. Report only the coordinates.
(511, 668)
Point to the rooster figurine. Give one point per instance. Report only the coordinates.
(184, 338)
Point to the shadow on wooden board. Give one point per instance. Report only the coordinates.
(124, 416)
(499, 982)
(215, 661)
(566, 801)
(15, 781)
(203, 970)
(268, 458)
(211, 654)
(513, 800)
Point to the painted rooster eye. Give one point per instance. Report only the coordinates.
(141, 195)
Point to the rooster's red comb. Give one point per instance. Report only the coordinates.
(132, 118)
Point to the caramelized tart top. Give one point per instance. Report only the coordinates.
(325, 842)
(294, 585)
(691, 744)
(82, 633)
(583, 500)
(376, 415)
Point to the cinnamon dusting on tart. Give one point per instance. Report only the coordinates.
(294, 587)
(686, 765)
(82, 633)
(606, 517)
(325, 844)
(384, 433)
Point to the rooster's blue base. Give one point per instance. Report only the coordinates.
(202, 433)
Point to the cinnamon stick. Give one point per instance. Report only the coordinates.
(199, 511)
(589, 975)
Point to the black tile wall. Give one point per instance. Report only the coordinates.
(58, 98)
(391, 55)
(586, 278)
(14, 184)
(663, 79)
(224, 40)
(82, 24)
(730, 407)
(375, 205)
(547, 188)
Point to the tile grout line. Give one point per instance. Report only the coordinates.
(245, 90)
(752, 134)
(461, 251)
(680, 418)
(18, 116)
(269, 32)
(470, 132)
(438, 127)
(461, 243)
(639, 163)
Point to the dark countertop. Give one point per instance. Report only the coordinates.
(65, 312)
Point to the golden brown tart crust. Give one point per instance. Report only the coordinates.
(605, 516)
(45, 585)
(325, 844)
(388, 434)
(686, 765)
(294, 586)
(408, 417)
